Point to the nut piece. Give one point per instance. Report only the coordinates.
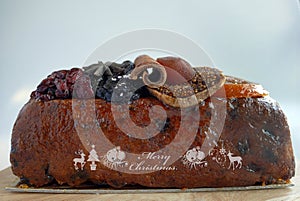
(206, 82)
(173, 81)
(178, 70)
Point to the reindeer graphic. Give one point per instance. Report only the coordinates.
(234, 159)
(79, 160)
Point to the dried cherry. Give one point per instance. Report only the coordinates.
(97, 80)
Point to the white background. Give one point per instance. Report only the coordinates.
(257, 40)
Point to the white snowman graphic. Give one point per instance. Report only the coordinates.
(194, 157)
(115, 158)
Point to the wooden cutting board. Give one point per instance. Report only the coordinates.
(290, 193)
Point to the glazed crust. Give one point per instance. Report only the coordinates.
(44, 140)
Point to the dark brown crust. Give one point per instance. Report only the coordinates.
(44, 141)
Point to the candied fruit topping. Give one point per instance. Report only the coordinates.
(112, 78)
(97, 80)
(112, 82)
(58, 85)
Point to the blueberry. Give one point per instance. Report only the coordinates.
(60, 84)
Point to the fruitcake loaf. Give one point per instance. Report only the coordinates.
(152, 123)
